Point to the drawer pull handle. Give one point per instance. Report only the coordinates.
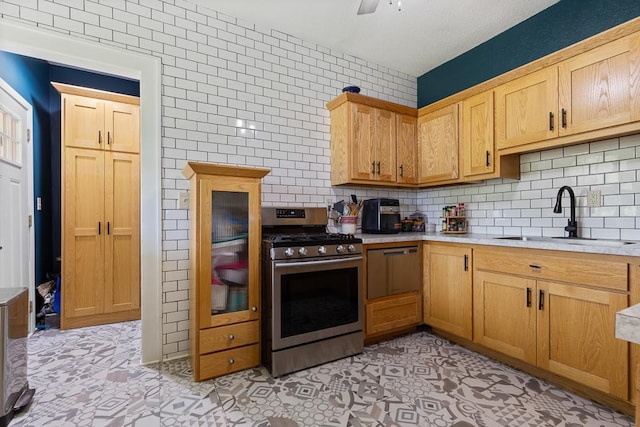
(534, 266)
(378, 168)
(373, 167)
(488, 159)
(231, 337)
(466, 263)
(231, 361)
(541, 300)
(528, 297)
(254, 308)
(401, 171)
(564, 118)
(550, 120)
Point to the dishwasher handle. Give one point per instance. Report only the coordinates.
(403, 251)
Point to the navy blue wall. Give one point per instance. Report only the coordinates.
(556, 27)
(31, 78)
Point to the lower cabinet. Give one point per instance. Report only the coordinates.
(562, 327)
(448, 288)
(393, 277)
(393, 313)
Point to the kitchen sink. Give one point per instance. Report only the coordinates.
(569, 240)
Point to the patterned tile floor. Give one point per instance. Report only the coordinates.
(92, 377)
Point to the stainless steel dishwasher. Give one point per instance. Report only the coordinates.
(392, 271)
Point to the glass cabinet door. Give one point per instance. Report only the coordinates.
(229, 251)
(230, 239)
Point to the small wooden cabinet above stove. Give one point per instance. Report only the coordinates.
(224, 333)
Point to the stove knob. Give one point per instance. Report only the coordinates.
(340, 249)
(322, 250)
(302, 251)
(288, 252)
(351, 248)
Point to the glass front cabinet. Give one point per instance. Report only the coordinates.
(225, 243)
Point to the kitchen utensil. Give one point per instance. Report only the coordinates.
(339, 207)
(354, 199)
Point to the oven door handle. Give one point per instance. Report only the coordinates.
(320, 262)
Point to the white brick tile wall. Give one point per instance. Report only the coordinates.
(610, 166)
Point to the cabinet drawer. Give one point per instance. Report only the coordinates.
(224, 362)
(558, 267)
(393, 313)
(227, 337)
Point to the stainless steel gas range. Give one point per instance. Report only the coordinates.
(312, 293)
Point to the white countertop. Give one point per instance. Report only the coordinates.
(493, 240)
(628, 324)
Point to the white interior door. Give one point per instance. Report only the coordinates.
(17, 265)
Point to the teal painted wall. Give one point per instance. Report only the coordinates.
(556, 27)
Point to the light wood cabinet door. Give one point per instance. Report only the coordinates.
(438, 146)
(393, 313)
(122, 125)
(505, 314)
(448, 291)
(478, 148)
(407, 172)
(83, 233)
(385, 145)
(576, 336)
(83, 122)
(363, 152)
(122, 239)
(601, 87)
(526, 109)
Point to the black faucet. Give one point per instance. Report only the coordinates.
(572, 228)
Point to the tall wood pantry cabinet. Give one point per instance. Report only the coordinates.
(225, 236)
(100, 207)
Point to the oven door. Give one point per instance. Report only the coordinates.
(316, 299)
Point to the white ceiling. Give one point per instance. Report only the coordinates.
(425, 34)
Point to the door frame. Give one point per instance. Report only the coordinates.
(93, 56)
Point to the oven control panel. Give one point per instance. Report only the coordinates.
(316, 251)
(290, 213)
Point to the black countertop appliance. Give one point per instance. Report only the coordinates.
(381, 216)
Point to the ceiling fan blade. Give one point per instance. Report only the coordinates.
(367, 6)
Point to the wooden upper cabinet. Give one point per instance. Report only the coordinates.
(601, 87)
(407, 160)
(438, 146)
(526, 109)
(478, 148)
(100, 120)
(364, 141)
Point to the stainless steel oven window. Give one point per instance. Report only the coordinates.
(313, 300)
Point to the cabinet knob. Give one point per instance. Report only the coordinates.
(231, 361)
(254, 308)
(231, 337)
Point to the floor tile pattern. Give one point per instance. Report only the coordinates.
(92, 377)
